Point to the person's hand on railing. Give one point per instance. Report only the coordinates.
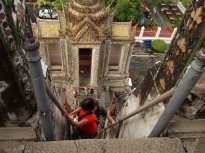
(65, 115)
(113, 122)
(73, 116)
(65, 106)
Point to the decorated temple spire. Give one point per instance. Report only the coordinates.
(82, 15)
(78, 10)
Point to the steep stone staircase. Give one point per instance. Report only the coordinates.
(158, 145)
(15, 139)
(23, 140)
(184, 135)
(191, 133)
(146, 145)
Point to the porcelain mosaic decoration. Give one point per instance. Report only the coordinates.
(187, 42)
(13, 26)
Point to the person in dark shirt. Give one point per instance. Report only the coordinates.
(101, 112)
(91, 91)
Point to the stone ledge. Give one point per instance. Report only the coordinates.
(187, 129)
(17, 133)
(145, 145)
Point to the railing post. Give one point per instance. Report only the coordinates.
(104, 134)
(141, 32)
(31, 47)
(118, 129)
(173, 33)
(185, 86)
(181, 7)
(158, 32)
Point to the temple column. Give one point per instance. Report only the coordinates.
(75, 59)
(123, 58)
(94, 66)
(43, 52)
(64, 54)
(107, 56)
(129, 58)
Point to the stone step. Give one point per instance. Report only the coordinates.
(116, 84)
(145, 145)
(17, 133)
(14, 139)
(187, 129)
(118, 89)
(12, 146)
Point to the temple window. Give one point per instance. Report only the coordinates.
(114, 59)
(55, 56)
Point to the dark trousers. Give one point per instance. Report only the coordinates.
(78, 134)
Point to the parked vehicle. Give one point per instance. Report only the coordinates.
(48, 14)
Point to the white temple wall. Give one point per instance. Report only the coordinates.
(140, 125)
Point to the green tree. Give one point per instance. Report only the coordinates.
(49, 4)
(156, 2)
(186, 3)
(127, 10)
(59, 4)
(108, 2)
(40, 3)
(177, 22)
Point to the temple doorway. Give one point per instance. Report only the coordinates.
(85, 60)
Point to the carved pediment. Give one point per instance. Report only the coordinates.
(87, 35)
(83, 26)
(87, 31)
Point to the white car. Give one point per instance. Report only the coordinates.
(48, 14)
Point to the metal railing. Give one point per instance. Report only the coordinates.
(150, 104)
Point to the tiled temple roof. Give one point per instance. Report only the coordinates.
(122, 30)
(47, 29)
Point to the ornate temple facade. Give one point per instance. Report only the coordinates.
(84, 47)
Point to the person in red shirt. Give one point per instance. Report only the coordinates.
(86, 123)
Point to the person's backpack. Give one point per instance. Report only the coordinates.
(84, 115)
(100, 112)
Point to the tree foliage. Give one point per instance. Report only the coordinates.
(108, 2)
(59, 4)
(186, 3)
(156, 2)
(126, 10)
(177, 22)
(40, 3)
(56, 4)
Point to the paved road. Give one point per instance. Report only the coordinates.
(157, 17)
